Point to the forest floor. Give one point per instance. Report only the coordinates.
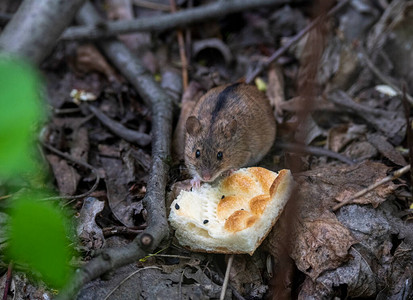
(340, 94)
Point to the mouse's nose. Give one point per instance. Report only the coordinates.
(206, 176)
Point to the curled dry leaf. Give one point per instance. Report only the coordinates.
(67, 177)
(275, 89)
(386, 149)
(360, 150)
(245, 275)
(341, 135)
(321, 244)
(118, 177)
(355, 274)
(89, 59)
(87, 229)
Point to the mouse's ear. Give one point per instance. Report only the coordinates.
(193, 125)
(230, 129)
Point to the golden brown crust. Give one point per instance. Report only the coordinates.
(238, 183)
(264, 177)
(227, 206)
(258, 204)
(237, 221)
(275, 185)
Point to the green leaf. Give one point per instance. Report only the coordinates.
(20, 109)
(39, 239)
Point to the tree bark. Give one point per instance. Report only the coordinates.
(36, 26)
(168, 21)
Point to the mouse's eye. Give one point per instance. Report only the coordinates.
(220, 155)
(197, 153)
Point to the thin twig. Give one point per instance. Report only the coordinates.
(383, 77)
(396, 174)
(116, 230)
(182, 18)
(139, 138)
(297, 148)
(8, 281)
(182, 53)
(226, 278)
(181, 279)
(78, 162)
(277, 54)
(409, 133)
(127, 278)
(151, 5)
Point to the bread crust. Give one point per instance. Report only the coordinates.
(234, 215)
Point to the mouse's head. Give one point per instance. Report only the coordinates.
(209, 148)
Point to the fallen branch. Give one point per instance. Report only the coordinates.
(154, 200)
(36, 26)
(277, 54)
(396, 174)
(103, 29)
(297, 148)
(132, 136)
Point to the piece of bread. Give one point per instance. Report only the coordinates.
(233, 215)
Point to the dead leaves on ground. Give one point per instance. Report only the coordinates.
(356, 247)
(363, 250)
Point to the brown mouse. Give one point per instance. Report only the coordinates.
(230, 127)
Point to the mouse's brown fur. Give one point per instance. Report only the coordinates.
(233, 120)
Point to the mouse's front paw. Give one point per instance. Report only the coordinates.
(196, 183)
(228, 172)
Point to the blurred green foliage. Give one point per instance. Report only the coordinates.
(39, 239)
(20, 109)
(39, 231)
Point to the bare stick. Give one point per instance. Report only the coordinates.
(396, 174)
(409, 133)
(139, 138)
(161, 106)
(36, 26)
(297, 148)
(182, 53)
(8, 281)
(293, 40)
(151, 5)
(182, 18)
(226, 278)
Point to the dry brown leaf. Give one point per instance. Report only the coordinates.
(341, 135)
(87, 229)
(386, 149)
(245, 271)
(66, 176)
(321, 244)
(275, 89)
(89, 59)
(319, 241)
